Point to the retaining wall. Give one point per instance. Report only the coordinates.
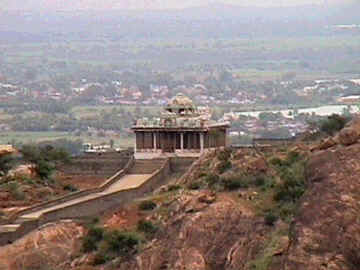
(96, 164)
(78, 194)
(92, 207)
(181, 164)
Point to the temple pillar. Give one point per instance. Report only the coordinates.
(201, 142)
(182, 141)
(154, 142)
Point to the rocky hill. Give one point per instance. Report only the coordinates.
(284, 208)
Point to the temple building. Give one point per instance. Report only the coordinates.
(181, 130)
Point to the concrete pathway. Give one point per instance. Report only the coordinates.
(128, 181)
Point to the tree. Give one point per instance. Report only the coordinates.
(111, 143)
(333, 124)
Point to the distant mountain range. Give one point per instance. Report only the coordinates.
(45, 5)
(210, 21)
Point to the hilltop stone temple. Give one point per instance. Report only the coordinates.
(181, 130)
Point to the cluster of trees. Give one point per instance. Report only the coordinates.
(116, 119)
(44, 156)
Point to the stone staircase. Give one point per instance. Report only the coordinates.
(146, 166)
(140, 177)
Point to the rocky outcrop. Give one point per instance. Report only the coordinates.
(348, 136)
(25, 170)
(327, 228)
(7, 150)
(50, 247)
(326, 144)
(220, 234)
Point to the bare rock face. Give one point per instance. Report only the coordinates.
(327, 228)
(23, 171)
(47, 248)
(7, 150)
(326, 144)
(258, 165)
(348, 136)
(207, 197)
(223, 235)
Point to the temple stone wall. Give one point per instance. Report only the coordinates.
(98, 164)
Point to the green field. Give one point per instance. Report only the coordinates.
(86, 111)
(34, 137)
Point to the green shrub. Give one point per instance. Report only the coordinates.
(276, 161)
(233, 184)
(96, 233)
(223, 166)
(293, 157)
(70, 188)
(174, 187)
(224, 155)
(260, 180)
(44, 169)
(14, 189)
(202, 174)
(333, 124)
(270, 218)
(293, 184)
(235, 181)
(195, 185)
(287, 210)
(100, 258)
(212, 179)
(88, 244)
(91, 240)
(147, 227)
(6, 163)
(147, 205)
(122, 243)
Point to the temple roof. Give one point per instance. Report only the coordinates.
(181, 113)
(180, 100)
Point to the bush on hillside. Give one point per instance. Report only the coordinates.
(212, 179)
(333, 124)
(147, 227)
(147, 205)
(122, 243)
(270, 218)
(195, 185)
(91, 240)
(235, 181)
(174, 187)
(223, 166)
(44, 157)
(6, 163)
(224, 155)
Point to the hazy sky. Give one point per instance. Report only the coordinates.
(144, 4)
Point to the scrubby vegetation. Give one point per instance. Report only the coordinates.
(146, 227)
(147, 205)
(92, 239)
(111, 244)
(290, 186)
(333, 124)
(279, 188)
(44, 158)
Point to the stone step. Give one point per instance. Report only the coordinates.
(22, 219)
(9, 228)
(146, 166)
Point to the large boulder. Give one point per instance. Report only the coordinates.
(26, 170)
(7, 150)
(348, 136)
(327, 143)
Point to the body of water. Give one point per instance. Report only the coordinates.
(321, 111)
